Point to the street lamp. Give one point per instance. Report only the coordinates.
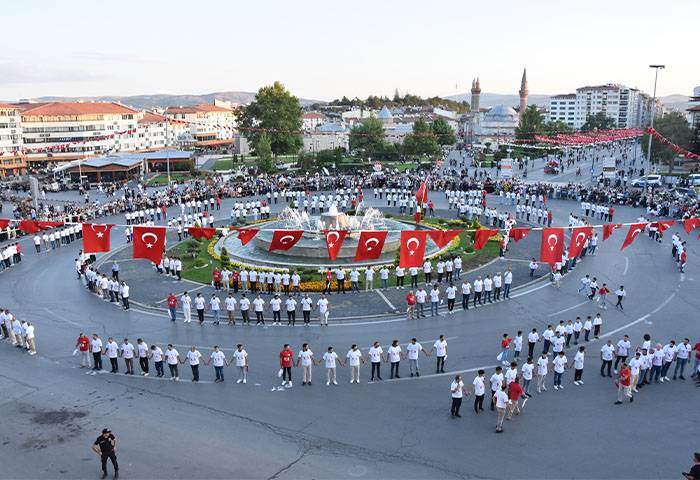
(653, 108)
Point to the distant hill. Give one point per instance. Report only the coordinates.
(164, 100)
(675, 102)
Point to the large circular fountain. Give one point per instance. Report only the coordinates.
(311, 249)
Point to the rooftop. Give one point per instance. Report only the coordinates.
(202, 107)
(73, 108)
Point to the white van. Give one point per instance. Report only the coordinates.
(694, 179)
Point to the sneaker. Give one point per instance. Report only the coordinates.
(289, 384)
(245, 381)
(335, 383)
(618, 403)
(561, 387)
(352, 381)
(575, 382)
(556, 388)
(239, 380)
(580, 382)
(544, 388)
(328, 382)
(662, 380)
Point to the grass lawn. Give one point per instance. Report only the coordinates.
(162, 178)
(197, 264)
(225, 163)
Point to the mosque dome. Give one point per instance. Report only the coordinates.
(501, 113)
(385, 114)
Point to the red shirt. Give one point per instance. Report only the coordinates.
(286, 358)
(697, 350)
(234, 276)
(83, 343)
(505, 343)
(410, 299)
(515, 391)
(172, 301)
(624, 377)
(603, 291)
(216, 275)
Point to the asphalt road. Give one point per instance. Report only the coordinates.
(53, 410)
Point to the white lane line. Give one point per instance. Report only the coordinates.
(190, 290)
(612, 332)
(567, 309)
(520, 294)
(434, 375)
(627, 265)
(665, 302)
(162, 379)
(385, 299)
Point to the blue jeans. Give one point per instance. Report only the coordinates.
(680, 364)
(655, 373)
(216, 315)
(504, 354)
(557, 378)
(433, 308)
(506, 290)
(219, 371)
(173, 314)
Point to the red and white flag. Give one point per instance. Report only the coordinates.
(202, 232)
(334, 241)
(518, 233)
(632, 233)
(5, 222)
(552, 245)
(443, 237)
(482, 236)
(33, 226)
(96, 237)
(245, 235)
(663, 225)
(370, 245)
(149, 243)
(285, 239)
(578, 240)
(422, 193)
(412, 248)
(690, 224)
(609, 228)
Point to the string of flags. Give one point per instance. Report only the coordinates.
(677, 149)
(149, 241)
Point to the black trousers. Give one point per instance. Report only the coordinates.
(195, 372)
(259, 318)
(478, 403)
(173, 370)
(159, 369)
(619, 359)
(578, 373)
(465, 301)
(414, 281)
(287, 374)
(440, 364)
(115, 365)
(276, 316)
(394, 370)
(376, 367)
(143, 363)
(97, 360)
(307, 316)
(200, 315)
(111, 456)
(606, 364)
(399, 281)
(530, 348)
(456, 404)
(291, 317)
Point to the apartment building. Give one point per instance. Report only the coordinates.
(12, 160)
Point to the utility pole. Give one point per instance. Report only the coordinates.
(653, 111)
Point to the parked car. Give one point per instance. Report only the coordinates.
(693, 179)
(647, 181)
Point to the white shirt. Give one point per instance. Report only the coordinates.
(244, 304)
(240, 357)
(193, 357)
(199, 303)
(542, 364)
(112, 349)
(578, 360)
(217, 358)
(501, 399)
(559, 363)
(479, 387)
(305, 357)
(322, 305)
(172, 356)
(375, 354)
(456, 389)
(394, 354)
(96, 345)
(259, 304)
(435, 295)
(127, 350)
(276, 304)
(230, 303)
(496, 381)
(607, 351)
(440, 348)
(157, 354)
(527, 369)
(329, 358)
(413, 349)
(354, 357)
(623, 347)
(511, 375)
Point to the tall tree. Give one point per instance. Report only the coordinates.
(531, 124)
(599, 121)
(368, 136)
(421, 141)
(263, 151)
(673, 127)
(277, 112)
(557, 126)
(444, 133)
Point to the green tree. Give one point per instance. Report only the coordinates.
(444, 133)
(277, 110)
(599, 121)
(367, 136)
(421, 141)
(673, 127)
(557, 126)
(264, 154)
(695, 144)
(224, 258)
(531, 124)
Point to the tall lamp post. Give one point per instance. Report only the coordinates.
(653, 110)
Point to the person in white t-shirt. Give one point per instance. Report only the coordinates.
(330, 359)
(186, 302)
(527, 373)
(578, 365)
(394, 356)
(458, 392)
(559, 364)
(259, 306)
(193, 357)
(323, 310)
(354, 359)
(218, 358)
(240, 358)
(306, 360)
(112, 352)
(542, 370)
(291, 307)
(172, 358)
(157, 356)
(500, 400)
(376, 356)
(276, 306)
(230, 303)
(440, 349)
(607, 353)
(412, 351)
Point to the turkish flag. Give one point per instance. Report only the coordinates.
(334, 241)
(578, 240)
(552, 245)
(285, 239)
(443, 237)
(96, 237)
(31, 226)
(609, 228)
(422, 193)
(482, 236)
(245, 235)
(663, 225)
(412, 248)
(518, 234)
(149, 243)
(690, 224)
(635, 229)
(4, 223)
(370, 245)
(202, 232)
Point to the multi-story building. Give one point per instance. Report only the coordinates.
(63, 131)
(12, 160)
(156, 131)
(207, 122)
(562, 108)
(618, 102)
(311, 120)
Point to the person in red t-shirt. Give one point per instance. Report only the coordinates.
(505, 349)
(623, 384)
(696, 362)
(172, 306)
(603, 295)
(216, 278)
(515, 393)
(611, 212)
(286, 362)
(83, 346)
(410, 304)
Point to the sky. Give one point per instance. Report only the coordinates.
(324, 49)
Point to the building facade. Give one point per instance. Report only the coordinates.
(562, 108)
(206, 122)
(12, 160)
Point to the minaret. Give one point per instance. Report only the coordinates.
(523, 93)
(476, 94)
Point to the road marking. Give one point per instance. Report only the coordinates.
(627, 264)
(567, 309)
(181, 293)
(385, 299)
(162, 379)
(665, 302)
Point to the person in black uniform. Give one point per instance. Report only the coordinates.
(106, 446)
